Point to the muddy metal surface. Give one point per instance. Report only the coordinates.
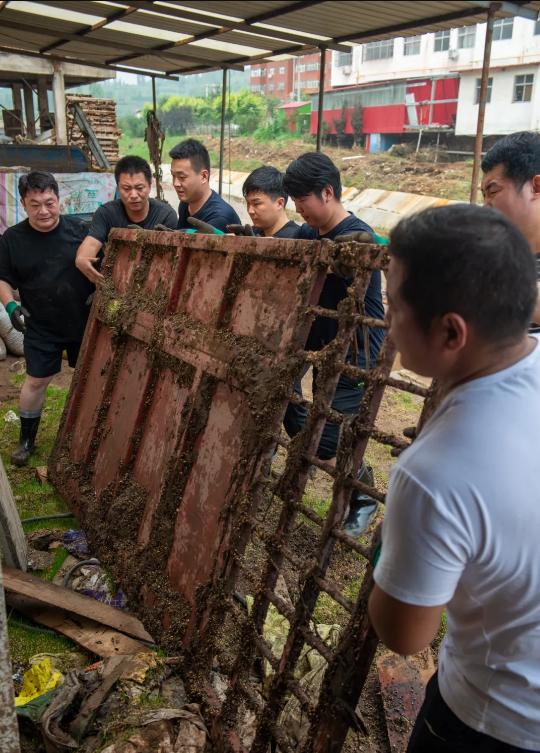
(165, 453)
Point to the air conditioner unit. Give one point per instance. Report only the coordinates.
(347, 70)
(453, 54)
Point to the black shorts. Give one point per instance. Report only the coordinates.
(44, 358)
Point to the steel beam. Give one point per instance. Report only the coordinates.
(222, 130)
(493, 8)
(61, 59)
(322, 69)
(99, 25)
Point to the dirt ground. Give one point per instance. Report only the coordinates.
(13, 366)
(414, 173)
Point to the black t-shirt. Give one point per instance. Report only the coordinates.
(42, 267)
(112, 214)
(334, 290)
(290, 230)
(215, 211)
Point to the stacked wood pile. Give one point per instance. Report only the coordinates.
(101, 114)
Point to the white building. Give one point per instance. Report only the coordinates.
(514, 89)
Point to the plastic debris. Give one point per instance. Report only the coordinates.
(11, 417)
(38, 680)
(75, 542)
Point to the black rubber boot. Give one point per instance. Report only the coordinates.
(363, 507)
(27, 439)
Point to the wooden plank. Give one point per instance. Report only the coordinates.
(63, 598)
(12, 540)
(9, 730)
(92, 636)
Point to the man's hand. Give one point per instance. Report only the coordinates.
(241, 230)
(339, 265)
(17, 314)
(86, 266)
(87, 257)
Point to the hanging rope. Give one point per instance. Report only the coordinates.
(155, 139)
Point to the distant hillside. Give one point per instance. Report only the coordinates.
(131, 98)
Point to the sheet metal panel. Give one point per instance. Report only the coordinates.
(190, 349)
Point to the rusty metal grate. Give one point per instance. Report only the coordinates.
(207, 336)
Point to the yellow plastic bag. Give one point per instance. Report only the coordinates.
(37, 680)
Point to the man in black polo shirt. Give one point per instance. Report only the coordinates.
(134, 207)
(314, 183)
(190, 170)
(511, 184)
(37, 257)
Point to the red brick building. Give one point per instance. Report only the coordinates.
(290, 79)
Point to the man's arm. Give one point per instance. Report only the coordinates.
(86, 256)
(6, 293)
(404, 628)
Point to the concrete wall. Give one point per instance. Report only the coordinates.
(502, 114)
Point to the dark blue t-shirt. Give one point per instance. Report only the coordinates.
(334, 290)
(215, 211)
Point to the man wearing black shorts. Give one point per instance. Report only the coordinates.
(37, 257)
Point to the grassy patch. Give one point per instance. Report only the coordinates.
(26, 639)
(33, 499)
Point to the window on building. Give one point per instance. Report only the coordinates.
(477, 91)
(300, 68)
(312, 67)
(256, 72)
(411, 45)
(502, 29)
(281, 69)
(466, 37)
(441, 41)
(271, 71)
(378, 50)
(523, 86)
(537, 27)
(344, 58)
(281, 86)
(270, 87)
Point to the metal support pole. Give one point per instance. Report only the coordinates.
(29, 113)
(222, 130)
(154, 99)
(9, 730)
(59, 94)
(321, 97)
(493, 8)
(432, 99)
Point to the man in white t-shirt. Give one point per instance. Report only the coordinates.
(462, 524)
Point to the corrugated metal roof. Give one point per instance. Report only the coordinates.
(168, 36)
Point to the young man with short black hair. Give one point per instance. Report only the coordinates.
(314, 184)
(511, 184)
(462, 512)
(265, 201)
(134, 207)
(37, 257)
(190, 170)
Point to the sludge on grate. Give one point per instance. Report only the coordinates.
(184, 506)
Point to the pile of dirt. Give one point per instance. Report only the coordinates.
(388, 171)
